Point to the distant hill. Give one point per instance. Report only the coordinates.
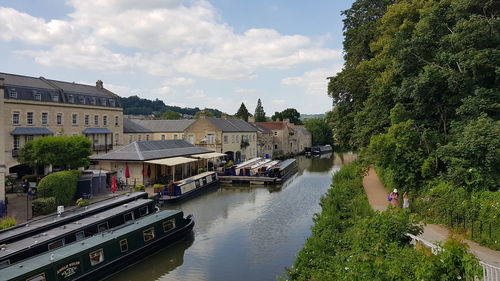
(309, 116)
(135, 105)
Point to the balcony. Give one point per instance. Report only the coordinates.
(244, 143)
(15, 153)
(102, 147)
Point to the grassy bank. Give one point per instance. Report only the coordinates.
(350, 241)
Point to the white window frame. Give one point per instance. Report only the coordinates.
(105, 120)
(99, 254)
(74, 119)
(46, 121)
(30, 121)
(59, 119)
(16, 118)
(96, 120)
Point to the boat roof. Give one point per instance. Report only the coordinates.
(248, 162)
(193, 178)
(285, 163)
(39, 238)
(47, 258)
(20, 230)
(260, 163)
(272, 164)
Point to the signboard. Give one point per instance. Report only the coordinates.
(69, 270)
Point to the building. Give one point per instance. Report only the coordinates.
(137, 129)
(264, 141)
(2, 145)
(288, 138)
(233, 137)
(303, 139)
(36, 107)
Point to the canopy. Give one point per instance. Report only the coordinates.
(172, 161)
(208, 155)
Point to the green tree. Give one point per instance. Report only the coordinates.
(170, 115)
(320, 130)
(290, 113)
(260, 114)
(242, 112)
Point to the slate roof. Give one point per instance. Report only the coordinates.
(131, 126)
(31, 131)
(260, 128)
(96, 131)
(232, 125)
(149, 150)
(159, 126)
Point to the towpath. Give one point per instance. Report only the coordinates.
(377, 196)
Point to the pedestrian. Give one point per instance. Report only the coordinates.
(394, 196)
(406, 200)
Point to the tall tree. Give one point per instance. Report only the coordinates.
(290, 113)
(320, 130)
(260, 114)
(170, 115)
(242, 112)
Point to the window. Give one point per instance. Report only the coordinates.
(226, 139)
(16, 142)
(4, 263)
(128, 217)
(74, 119)
(71, 99)
(130, 138)
(117, 121)
(168, 225)
(175, 137)
(38, 277)
(105, 120)
(275, 146)
(102, 227)
(55, 98)
(37, 96)
(80, 235)
(191, 139)
(96, 120)
(232, 139)
(147, 137)
(28, 138)
(92, 101)
(13, 93)
(211, 138)
(96, 257)
(117, 139)
(29, 118)
(103, 101)
(275, 133)
(143, 211)
(15, 118)
(56, 244)
(86, 119)
(82, 99)
(162, 137)
(112, 103)
(139, 138)
(123, 245)
(59, 119)
(45, 118)
(148, 234)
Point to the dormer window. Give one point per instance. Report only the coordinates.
(71, 99)
(82, 99)
(92, 101)
(112, 102)
(13, 93)
(55, 98)
(103, 101)
(37, 96)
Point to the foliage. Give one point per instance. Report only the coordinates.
(170, 115)
(320, 130)
(201, 170)
(229, 164)
(63, 151)
(139, 187)
(7, 222)
(158, 185)
(44, 206)
(60, 185)
(290, 113)
(260, 114)
(30, 178)
(242, 112)
(134, 105)
(82, 202)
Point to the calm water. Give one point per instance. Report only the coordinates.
(244, 232)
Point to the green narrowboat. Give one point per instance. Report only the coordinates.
(102, 255)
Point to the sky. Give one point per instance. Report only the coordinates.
(195, 53)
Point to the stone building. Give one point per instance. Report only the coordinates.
(288, 138)
(264, 141)
(142, 130)
(36, 107)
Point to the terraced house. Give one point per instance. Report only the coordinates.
(36, 107)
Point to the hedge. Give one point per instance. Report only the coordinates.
(61, 185)
(7, 222)
(44, 206)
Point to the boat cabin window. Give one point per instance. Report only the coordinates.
(128, 217)
(80, 235)
(96, 257)
(38, 277)
(102, 227)
(4, 263)
(56, 244)
(149, 234)
(169, 225)
(143, 211)
(124, 245)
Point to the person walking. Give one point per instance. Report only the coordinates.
(394, 198)
(406, 200)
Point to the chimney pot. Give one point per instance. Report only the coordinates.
(99, 84)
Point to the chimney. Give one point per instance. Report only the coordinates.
(98, 84)
(251, 119)
(286, 120)
(2, 82)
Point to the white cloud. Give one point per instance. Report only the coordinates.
(313, 82)
(179, 81)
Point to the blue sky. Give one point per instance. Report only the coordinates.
(188, 53)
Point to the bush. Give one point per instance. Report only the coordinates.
(158, 185)
(61, 185)
(201, 170)
(7, 222)
(82, 202)
(139, 187)
(44, 206)
(229, 164)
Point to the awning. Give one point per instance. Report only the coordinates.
(173, 161)
(96, 131)
(208, 155)
(31, 131)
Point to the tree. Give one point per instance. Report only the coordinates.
(290, 113)
(260, 114)
(320, 130)
(242, 112)
(170, 115)
(68, 152)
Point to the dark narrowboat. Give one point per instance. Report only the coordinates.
(74, 231)
(317, 150)
(102, 255)
(33, 227)
(189, 187)
(283, 170)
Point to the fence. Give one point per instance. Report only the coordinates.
(490, 272)
(477, 228)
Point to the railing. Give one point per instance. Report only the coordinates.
(15, 152)
(490, 272)
(244, 143)
(103, 147)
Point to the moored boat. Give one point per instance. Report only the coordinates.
(189, 187)
(283, 170)
(317, 150)
(102, 255)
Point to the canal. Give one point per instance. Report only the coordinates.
(244, 232)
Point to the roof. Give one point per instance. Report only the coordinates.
(232, 125)
(96, 131)
(31, 131)
(159, 126)
(81, 88)
(261, 128)
(173, 161)
(304, 131)
(273, 125)
(209, 155)
(149, 150)
(130, 126)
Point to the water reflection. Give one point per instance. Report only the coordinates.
(245, 232)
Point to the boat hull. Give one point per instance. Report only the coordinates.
(190, 194)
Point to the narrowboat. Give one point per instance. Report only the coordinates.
(317, 150)
(102, 255)
(33, 227)
(240, 168)
(188, 187)
(74, 231)
(283, 170)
